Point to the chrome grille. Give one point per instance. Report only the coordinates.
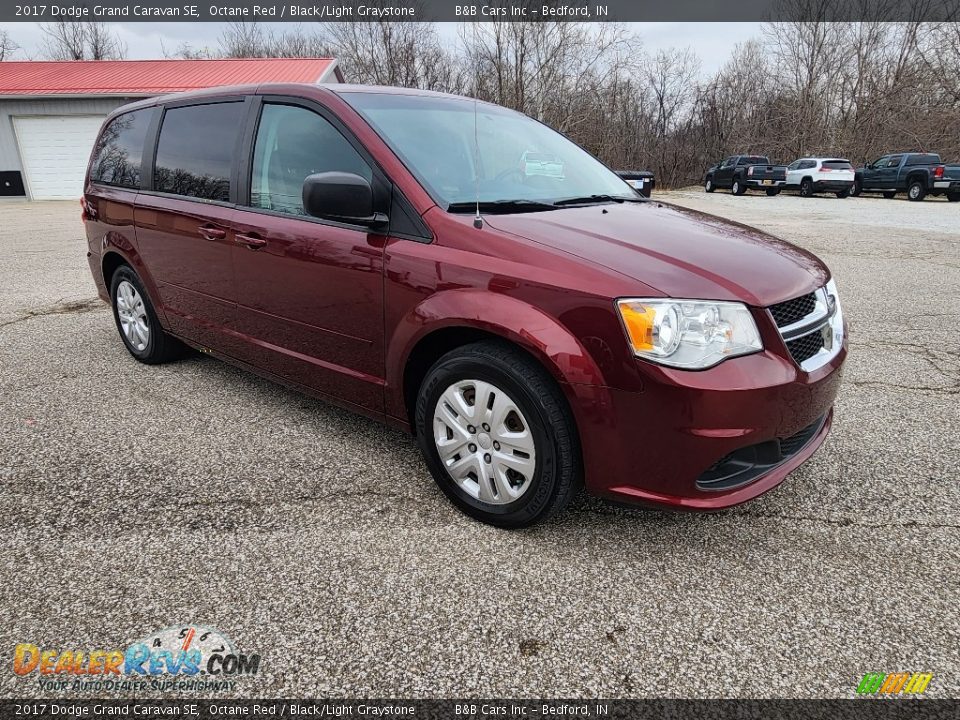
(791, 311)
(805, 347)
(806, 324)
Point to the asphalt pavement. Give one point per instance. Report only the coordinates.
(133, 498)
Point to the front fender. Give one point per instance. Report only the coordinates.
(501, 315)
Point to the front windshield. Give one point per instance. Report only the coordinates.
(506, 157)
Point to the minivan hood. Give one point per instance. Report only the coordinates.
(678, 252)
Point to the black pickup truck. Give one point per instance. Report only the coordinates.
(743, 172)
(919, 174)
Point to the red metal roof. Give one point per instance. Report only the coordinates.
(153, 77)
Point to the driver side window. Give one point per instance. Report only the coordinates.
(292, 143)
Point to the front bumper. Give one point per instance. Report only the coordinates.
(656, 447)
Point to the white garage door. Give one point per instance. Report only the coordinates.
(55, 151)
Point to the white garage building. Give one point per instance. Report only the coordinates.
(50, 112)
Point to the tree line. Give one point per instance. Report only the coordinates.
(849, 89)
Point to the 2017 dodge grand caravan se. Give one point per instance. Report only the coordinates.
(393, 252)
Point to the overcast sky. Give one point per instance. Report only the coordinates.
(712, 42)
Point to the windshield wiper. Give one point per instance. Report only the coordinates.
(500, 206)
(588, 199)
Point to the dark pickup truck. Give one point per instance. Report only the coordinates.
(743, 172)
(919, 174)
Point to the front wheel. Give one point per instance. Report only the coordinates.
(708, 185)
(857, 188)
(916, 192)
(497, 435)
(137, 320)
(738, 188)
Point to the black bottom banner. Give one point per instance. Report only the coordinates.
(865, 709)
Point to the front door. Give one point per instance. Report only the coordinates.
(723, 177)
(184, 222)
(887, 174)
(309, 292)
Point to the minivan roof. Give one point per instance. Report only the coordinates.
(304, 89)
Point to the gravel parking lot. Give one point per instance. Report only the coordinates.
(135, 498)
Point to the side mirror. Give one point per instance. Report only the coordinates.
(340, 196)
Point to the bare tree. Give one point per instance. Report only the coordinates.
(7, 46)
(81, 41)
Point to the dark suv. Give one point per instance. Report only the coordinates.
(538, 326)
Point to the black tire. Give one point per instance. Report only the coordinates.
(916, 191)
(738, 187)
(773, 191)
(890, 194)
(806, 187)
(857, 188)
(843, 193)
(160, 347)
(708, 184)
(557, 476)
(953, 197)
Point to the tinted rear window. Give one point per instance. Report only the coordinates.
(196, 149)
(754, 160)
(924, 159)
(837, 165)
(119, 149)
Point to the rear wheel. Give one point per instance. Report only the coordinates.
(890, 194)
(708, 185)
(738, 187)
(773, 191)
(498, 436)
(137, 320)
(806, 187)
(916, 191)
(953, 197)
(843, 193)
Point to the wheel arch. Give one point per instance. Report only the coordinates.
(454, 318)
(117, 252)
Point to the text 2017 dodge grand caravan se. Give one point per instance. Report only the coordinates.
(391, 251)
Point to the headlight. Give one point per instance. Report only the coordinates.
(688, 334)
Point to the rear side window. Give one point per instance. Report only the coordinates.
(119, 149)
(924, 159)
(196, 149)
(894, 161)
(837, 165)
(292, 143)
(808, 164)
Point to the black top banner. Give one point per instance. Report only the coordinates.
(304, 11)
(918, 709)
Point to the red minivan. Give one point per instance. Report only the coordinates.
(395, 252)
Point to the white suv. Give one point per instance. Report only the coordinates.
(813, 175)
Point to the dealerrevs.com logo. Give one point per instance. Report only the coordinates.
(180, 657)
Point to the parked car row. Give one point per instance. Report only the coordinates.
(917, 174)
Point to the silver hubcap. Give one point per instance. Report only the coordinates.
(133, 316)
(915, 191)
(484, 442)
